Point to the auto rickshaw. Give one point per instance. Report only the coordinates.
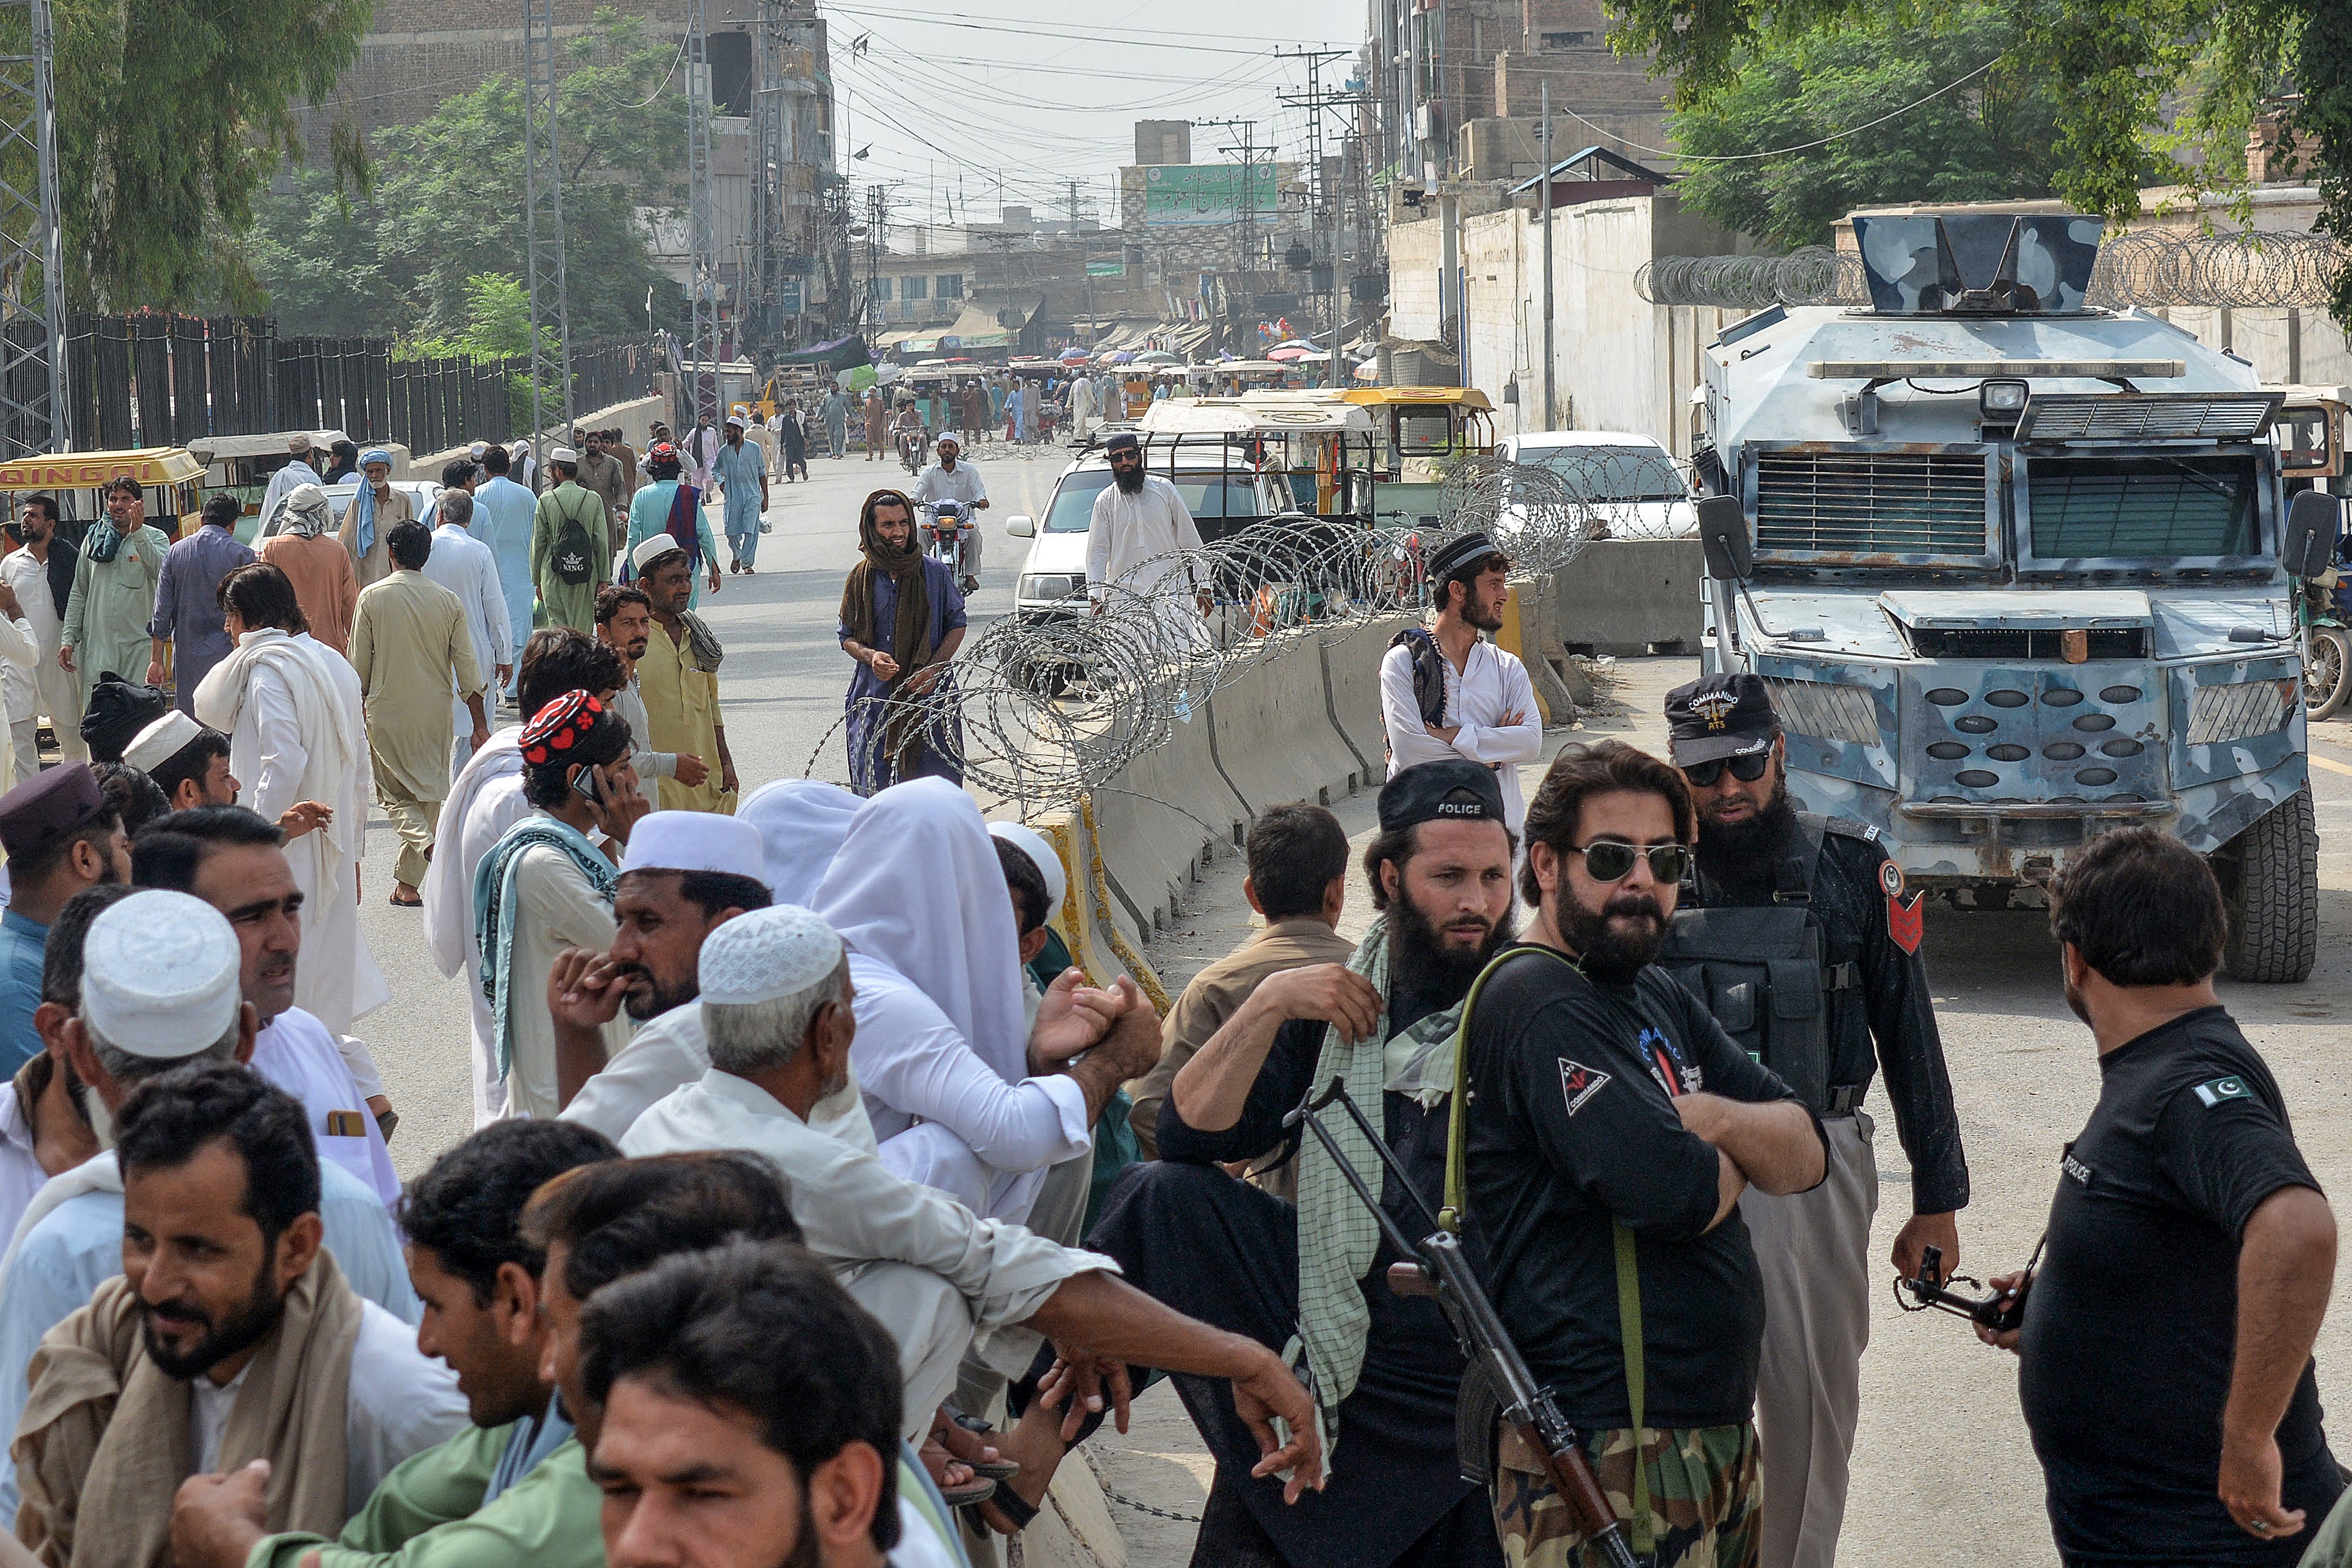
(171, 475)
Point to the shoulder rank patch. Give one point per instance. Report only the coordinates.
(1890, 877)
(2213, 1090)
(1905, 922)
(1579, 1084)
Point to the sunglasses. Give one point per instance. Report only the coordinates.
(1746, 769)
(1612, 860)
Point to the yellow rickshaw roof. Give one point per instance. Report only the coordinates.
(88, 470)
(1468, 397)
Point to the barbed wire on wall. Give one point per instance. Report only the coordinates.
(1042, 706)
(2151, 268)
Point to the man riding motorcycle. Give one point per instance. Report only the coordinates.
(952, 479)
(913, 435)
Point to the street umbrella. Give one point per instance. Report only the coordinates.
(1120, 357)
(1073, 352)
(1159, 357)
(1290, 352)
(1295, 343)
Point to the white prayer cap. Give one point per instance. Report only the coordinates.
(478, 448)
(160, 976)
(766, 956)
(160, 741)
(563, 455)
(1040, 849)
(695, 841)
(652, 551)
(736, 420)
(946, 437)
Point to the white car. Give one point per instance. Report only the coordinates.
(1632, 484)
(1053, 578)
(421, 493)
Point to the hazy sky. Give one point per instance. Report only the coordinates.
(966, 102)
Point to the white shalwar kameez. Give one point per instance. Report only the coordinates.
(58, 690)
(484, 800)
(1481, 698)
(295, 1052)
(941, 1280)
(671, 1051)
(465, 566)
(1133, 547)
(290, 707)
(917, 895)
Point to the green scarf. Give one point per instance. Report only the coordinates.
(1338, 1236)
(494, 910)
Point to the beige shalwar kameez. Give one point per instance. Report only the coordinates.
(408, 638)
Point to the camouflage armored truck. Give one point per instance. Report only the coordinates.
(2019, 571)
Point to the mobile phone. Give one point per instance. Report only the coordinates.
(583, 784)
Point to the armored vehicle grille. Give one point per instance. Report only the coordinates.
(2108, 643)
(1871, 503)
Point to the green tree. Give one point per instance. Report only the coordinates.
(2142, 78)
(497, 327)
(446, 206)
(1989, 140)
(171, 115)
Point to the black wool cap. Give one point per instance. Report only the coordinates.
(1455, 790)
(1720, 716)
(1456, 554)
(116, 711)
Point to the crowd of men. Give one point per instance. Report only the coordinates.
(816, 1205)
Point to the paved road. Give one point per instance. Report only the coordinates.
(780, 691)
(1945, 1474)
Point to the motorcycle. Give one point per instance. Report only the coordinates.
(914, 449)
(2327, 643)
(942, 535)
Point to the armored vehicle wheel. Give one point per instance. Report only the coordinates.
(2326, 670)
(2270, 882)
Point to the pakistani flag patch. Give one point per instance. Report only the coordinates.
(2213, 1090)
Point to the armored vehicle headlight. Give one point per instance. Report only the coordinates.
(2001, 397)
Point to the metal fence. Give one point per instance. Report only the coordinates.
(155, 380)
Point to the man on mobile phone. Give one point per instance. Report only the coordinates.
(548, 884)
(2177, 1417)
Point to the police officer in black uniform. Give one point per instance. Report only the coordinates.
(2165, 1357)
(1797, 933)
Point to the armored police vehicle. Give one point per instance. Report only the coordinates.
(2018, 571)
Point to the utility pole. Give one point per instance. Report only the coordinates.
(551, 364)
(1245, 233)
(702, 247)
(1313, 101)
(36, 415)
(1551, 404)
(771, 152)
(877, 213)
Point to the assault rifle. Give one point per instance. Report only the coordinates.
(1498, 1379)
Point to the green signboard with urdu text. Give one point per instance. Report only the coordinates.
(1178, 195)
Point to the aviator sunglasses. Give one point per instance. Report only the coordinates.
(1746, 769)
(1612, 860)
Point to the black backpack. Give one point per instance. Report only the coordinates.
(573, 558)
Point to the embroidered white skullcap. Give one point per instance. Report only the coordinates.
(1040, 849)
(160, 975)
(652, 551)
(766, 955)
(160, 741)
(563, 455)
(695, 841)
(946, 436)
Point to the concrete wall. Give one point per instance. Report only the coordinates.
(1618, 363)
(1631, 597)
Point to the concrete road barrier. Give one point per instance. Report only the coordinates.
(1272, 731)
(1164, 812)
(1352, 680)
(1632, 597)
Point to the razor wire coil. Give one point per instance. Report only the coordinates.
(1038, 708)
(2153, 269)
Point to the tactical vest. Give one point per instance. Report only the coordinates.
(1758, 969)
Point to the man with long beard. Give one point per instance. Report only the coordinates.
(1774, 881)
(1139, 533)
(1610, 1127)
(1242, 1258)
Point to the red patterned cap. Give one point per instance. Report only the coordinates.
(661, 449)
(559, 726)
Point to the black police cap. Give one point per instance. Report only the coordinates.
(1453, 791)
